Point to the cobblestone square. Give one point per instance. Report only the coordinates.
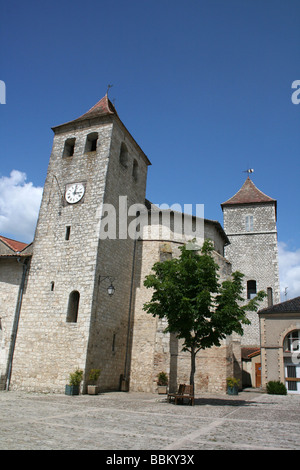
(139, 421)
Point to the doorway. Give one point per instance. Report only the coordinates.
(258, 374)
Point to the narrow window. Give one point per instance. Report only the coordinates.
(123, 155)
(68, 231)
(52, 286)
(249, 223)
(251, 289)
(91, 142)
(73, 305)
(69, 147)
(135, 170)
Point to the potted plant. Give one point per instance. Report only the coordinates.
(162, 382)
(75, 378)
(232, 386)
(92, 388)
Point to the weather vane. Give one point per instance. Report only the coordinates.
(250, 170)
(108, 87)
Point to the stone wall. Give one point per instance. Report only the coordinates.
(11, 272)
(110, 331)
(49, 346)
(255, 254)
(154, 351)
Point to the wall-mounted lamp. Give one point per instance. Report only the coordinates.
(110, 289)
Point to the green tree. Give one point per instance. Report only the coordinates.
(199, 310)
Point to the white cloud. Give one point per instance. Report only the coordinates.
(289, 271)
(19, 206)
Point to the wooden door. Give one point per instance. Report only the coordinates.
(258, 374)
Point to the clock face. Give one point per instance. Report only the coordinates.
(74, 193)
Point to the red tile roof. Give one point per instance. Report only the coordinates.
(247, 353)
(249, 194)
(104, 107)
(14, 244)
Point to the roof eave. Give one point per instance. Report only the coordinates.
(232, 204)
(100, 117)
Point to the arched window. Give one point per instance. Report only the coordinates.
(251, 289)
(73, 305)
(69, 147)
(123, 155)
(291, 342)
(91, 142)
(135, 170)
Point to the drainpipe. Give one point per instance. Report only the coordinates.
(16, 324)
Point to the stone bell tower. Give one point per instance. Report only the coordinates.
(67, 319)
(250, 224)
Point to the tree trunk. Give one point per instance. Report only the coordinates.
(193, 367)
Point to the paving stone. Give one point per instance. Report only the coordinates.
(119, 421)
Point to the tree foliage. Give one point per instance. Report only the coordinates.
(198, 309)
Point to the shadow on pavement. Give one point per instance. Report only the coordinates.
(217, 402)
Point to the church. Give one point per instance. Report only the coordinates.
(73, 298)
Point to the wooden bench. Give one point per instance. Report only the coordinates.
(184, 391)
(173, 395)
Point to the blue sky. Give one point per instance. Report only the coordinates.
(204, 86)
